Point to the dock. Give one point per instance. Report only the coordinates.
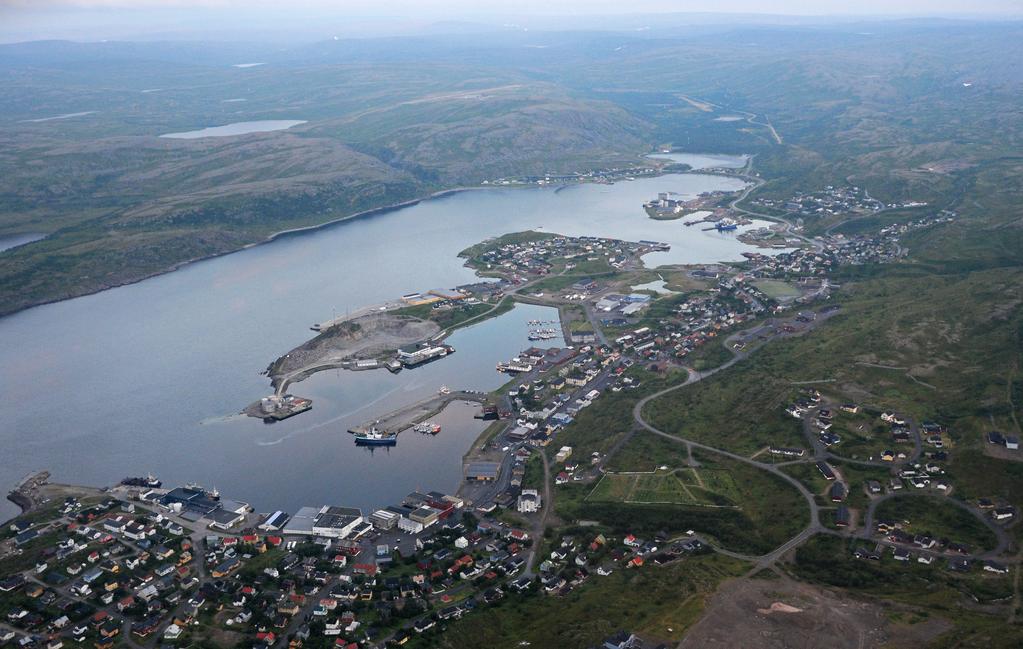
(408, 416)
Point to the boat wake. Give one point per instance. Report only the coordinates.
(223, 419)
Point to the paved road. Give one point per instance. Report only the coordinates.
(814, 526)
(1004, 541)
(541, 521)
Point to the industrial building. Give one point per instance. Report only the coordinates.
(482, 471)
(326, 521)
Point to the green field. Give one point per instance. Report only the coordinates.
(676, 487)
(777, 289)
(673, 595)
(939, 518)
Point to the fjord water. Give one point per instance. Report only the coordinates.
(147, 377)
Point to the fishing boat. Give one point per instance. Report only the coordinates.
(376, 437)
(149, 480)
(427, 428)
(726, 225)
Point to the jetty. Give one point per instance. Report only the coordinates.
(408, 416)
(24, 494)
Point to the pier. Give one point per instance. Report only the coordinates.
(408, 416)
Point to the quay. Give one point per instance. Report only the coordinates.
(408, 416)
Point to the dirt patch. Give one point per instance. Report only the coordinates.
(367, 337)
(782, 613)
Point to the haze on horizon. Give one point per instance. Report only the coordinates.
(93, 20)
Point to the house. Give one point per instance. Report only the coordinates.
(1012, 442)
(225, 568)
(837, 492)
(787, 452)
(842, 516)
(1003, 513)
(172, 632)
(529, 501)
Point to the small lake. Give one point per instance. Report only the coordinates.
(15, 240)
(237, 128)
(704, 160)
(59, 117)
(657, 286)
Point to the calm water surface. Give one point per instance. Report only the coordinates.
(15, 240)
(147, 377)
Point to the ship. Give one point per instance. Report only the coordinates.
(726, 225)
(149, 480)
(514, 367)
(376, 438)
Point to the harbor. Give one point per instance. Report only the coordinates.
(218, 309)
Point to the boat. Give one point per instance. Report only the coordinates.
(444, 390)
(427, 428)
(149, 480)
(726, 225)
(376, 438)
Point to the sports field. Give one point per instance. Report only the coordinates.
(675, 486)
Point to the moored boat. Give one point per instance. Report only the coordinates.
(149, 480)
(376, 438)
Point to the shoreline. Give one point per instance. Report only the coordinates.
(374, 211)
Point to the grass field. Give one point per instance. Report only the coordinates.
(777, 289)
(673, 599)
(698, 487)
(930, 590)
(938, 518)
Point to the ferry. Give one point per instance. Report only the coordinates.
(376, 438)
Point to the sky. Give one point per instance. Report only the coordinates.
(22, 20)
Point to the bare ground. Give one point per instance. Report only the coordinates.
(782, 613)
(367, 337)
